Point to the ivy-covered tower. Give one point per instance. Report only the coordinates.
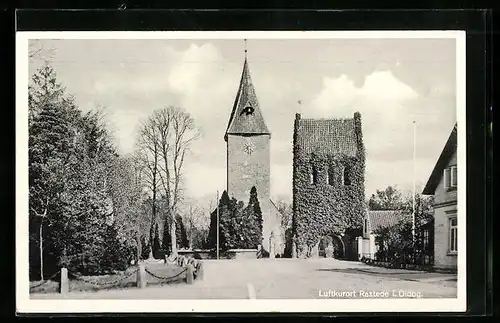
(248, 158)
(328, 184)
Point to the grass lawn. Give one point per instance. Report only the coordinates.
(157, 273)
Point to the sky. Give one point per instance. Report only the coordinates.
(391, 82)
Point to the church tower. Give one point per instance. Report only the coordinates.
(248, 153)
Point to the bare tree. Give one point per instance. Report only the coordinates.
(176, 130)
(285, 210)
(165, 138)
(37, 50)
(148, 155)
(197, 221)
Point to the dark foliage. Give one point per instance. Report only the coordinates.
(240, 227)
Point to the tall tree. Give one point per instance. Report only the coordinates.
(74, 197)
(224, 214)
(148, 153)
(424, 210)
(157, 250)
(255, 205)
(50, 146)
(387, 199)
(170, 132)
(181, 234)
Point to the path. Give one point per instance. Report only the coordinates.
(289, 278)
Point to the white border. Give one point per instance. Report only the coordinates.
(26, 305)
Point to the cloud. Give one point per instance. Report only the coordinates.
(194, 68)
(206, 85)
(133, 78)
(339, 97)
(388, 107)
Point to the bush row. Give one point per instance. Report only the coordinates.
(388, 264)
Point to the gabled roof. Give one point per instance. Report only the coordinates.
(449, 148)
(384, 218)
(331, 136)
(246, 117)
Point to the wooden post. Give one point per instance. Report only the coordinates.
(64, 283)
(141, 276)
(189, 274)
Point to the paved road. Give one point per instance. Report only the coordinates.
(292, 279)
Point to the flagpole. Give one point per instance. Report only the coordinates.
(217, 201)
(413, 201)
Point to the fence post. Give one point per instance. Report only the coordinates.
(189, 274)
(64, 283)
(141, 276)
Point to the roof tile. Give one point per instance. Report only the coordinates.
(331, 136)
(384, 218)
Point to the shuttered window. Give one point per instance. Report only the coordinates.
(450, 177)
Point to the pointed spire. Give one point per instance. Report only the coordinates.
(246, 117)
(246, 50)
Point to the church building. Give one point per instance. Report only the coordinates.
(328, 186)
(248, 160)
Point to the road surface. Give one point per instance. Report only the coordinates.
(290, 279)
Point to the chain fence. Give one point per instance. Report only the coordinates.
(167, 279)
(105, 283)
(43, 282)
(176, 261)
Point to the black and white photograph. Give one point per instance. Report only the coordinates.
(240, 171)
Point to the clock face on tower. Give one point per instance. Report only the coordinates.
(248, 147)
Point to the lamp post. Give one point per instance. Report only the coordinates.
(217, 201)
(413, 200)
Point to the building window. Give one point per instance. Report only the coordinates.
(425, 241)
(330, 176)
(313, 178)
(366, 225)
(346, 176)
(450, 177)
(453, 247)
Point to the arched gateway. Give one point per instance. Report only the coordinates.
(332, 246)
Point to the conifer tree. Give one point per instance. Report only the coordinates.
(145, 248)
(50, 143)
(255, 205)
(157, 252)
(166, 239)
(181, 235)
(224, 203)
